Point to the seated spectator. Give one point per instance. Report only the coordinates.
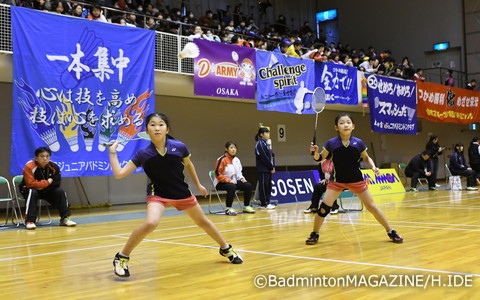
(386, 67)
(418, 76)
(41, 180)
(121, 4)
(120, 20)
(151, 24)
(212, 37)
(229, 177)
(346, 60)
(281, 25)
(294, 49)
(131, 20)
(333, 47)
(192, 18)
(355, 61)
(408, 70)
(317, 51)
(242, 28)
(59, 7)
(458, 166)
(77, 11)
(472, 85)
(206, 20)
(397, 72)
(420, 167)
(370, 65)
(96, 14)
(236, 40)
(197, 34)
(39, 4)
(449, 81)
(371, 52)
(281, 49)
(305, 28)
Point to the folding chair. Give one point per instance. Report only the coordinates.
(19, 197)
(348, 201)
(213, 189)
(8, 199)
(401, 171)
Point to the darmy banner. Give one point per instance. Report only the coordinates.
(284, 83)
(224, 70)
(392, 104)
(77, 86)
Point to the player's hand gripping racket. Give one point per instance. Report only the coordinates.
(318, 105)
(140, 136)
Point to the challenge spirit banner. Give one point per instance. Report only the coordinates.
(77, 84)
(223, 70)
(443, 104)
(284, 83)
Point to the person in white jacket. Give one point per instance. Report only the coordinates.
(229, 178)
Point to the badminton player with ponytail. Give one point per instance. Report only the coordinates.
(265, 165)
(164, 162)
(347, 151)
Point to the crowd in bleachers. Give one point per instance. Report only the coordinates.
(235, 27)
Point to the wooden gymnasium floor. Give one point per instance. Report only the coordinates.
(438, 260)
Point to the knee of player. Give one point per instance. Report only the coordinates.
(324, 210)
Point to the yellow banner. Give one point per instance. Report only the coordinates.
(387, 182)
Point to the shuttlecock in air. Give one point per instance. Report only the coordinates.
(189, 51)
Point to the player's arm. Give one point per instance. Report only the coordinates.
(369, 161)
(193, 174)
(118, 171)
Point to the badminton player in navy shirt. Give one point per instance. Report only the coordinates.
(347, 151)
(164, 161)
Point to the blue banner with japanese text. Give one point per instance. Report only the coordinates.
(339, 82)
(76, 85)
(392, 104)
(284, 83)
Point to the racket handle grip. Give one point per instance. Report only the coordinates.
(312, 153)
(108, 144)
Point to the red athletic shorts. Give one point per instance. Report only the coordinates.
(354, 187)
(179, 204)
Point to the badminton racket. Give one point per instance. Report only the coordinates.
(318, 105)
(140, 136)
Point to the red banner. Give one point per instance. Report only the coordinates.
(443, 104)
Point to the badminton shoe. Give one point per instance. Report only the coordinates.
(67, 222)
(310, 210)
(395, 237)
(471, 188)
(269, 206)
(231, 254)
(30, 226)
(248, 210)
(413, 190)
(312, 239)
(120, 264)
(230, 212)
(432, 188)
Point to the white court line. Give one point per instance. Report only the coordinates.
(128, 233)
(332, 260)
